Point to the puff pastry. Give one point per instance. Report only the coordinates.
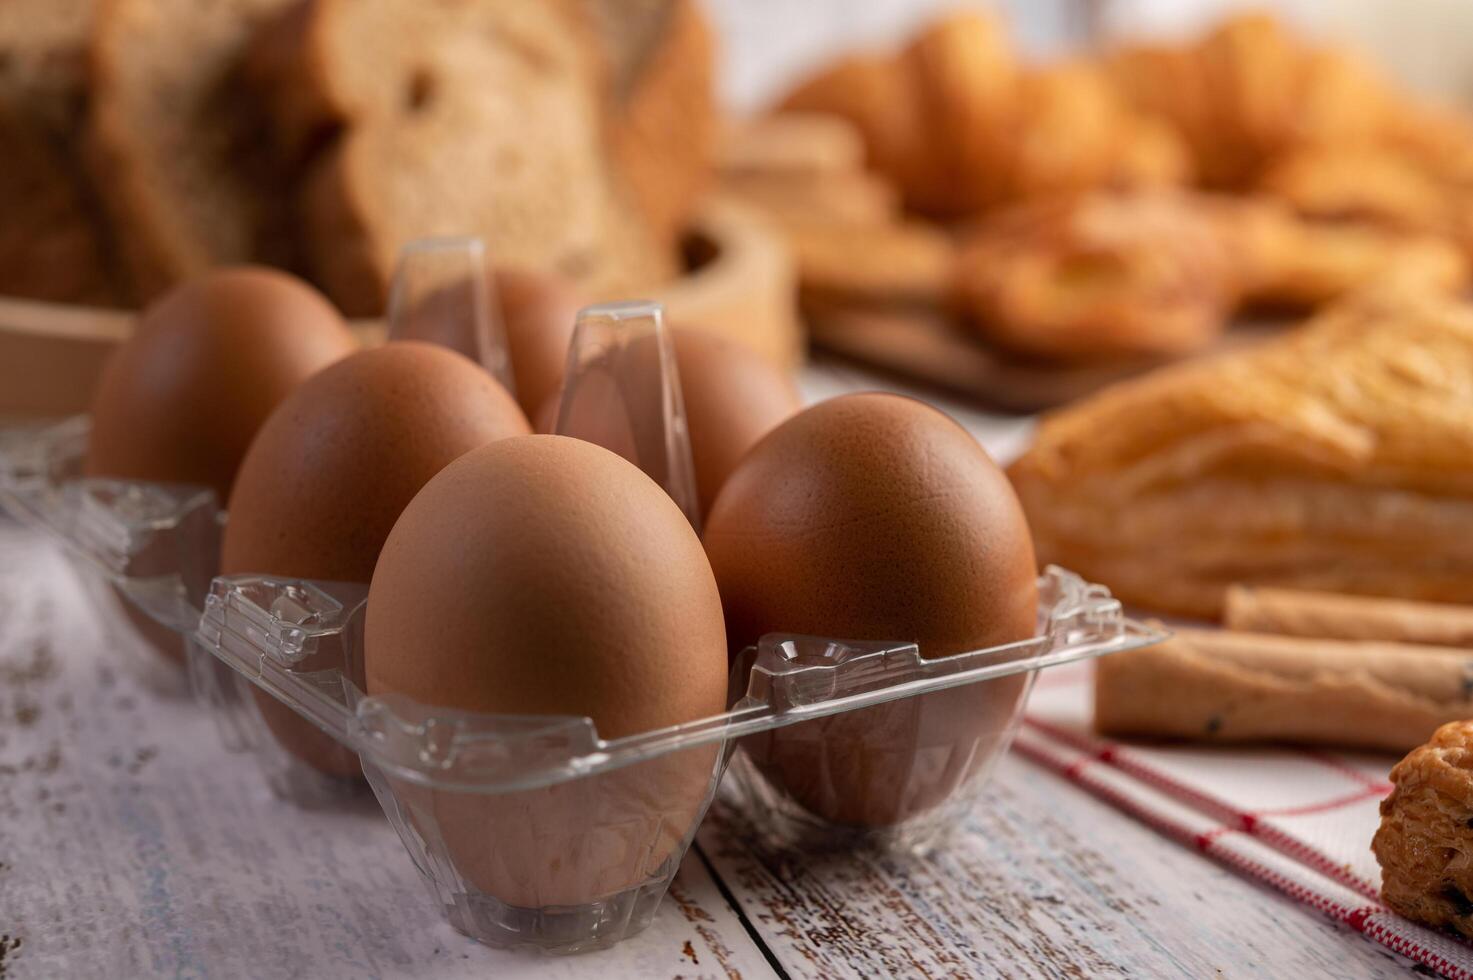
(1425, 841)
(1338, 457)
(1097, 275)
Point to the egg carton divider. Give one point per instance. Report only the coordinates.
(264, 627)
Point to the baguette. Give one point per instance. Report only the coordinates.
(1213, 686)
(1327, 614)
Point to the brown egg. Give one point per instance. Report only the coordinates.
(876, 517)
(538, 311)
(181, 400)
(548, 576)
(733, 397)
(336, 463)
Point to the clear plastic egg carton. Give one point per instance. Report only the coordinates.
(535, 832)
(147, 551)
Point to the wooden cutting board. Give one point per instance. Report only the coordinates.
(928, 346)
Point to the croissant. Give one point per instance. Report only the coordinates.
(960, 126)
(1250, 91)
(1338, 457)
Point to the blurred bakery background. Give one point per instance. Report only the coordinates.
(1017, 203)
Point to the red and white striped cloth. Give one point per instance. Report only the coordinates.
(1300, 821)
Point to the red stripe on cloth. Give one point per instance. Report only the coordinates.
(1361, 918)
(1309, 809)
(1205, 841)
(1410, 948)
(1165, 825)
(1251, 822)
(1308, 855)
(1332, 761)
(1118, 756)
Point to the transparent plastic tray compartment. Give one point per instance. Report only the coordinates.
(153, 546)
(535, 831)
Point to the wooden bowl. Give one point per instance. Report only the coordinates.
(741, 285)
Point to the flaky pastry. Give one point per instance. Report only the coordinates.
(1338, 457)
(1425, 841)
(1096, 275)
(1288, 263)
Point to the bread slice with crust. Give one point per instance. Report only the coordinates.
(458, 117)
(53, 245)
(176, 141)
(663, 123)
(43, 59)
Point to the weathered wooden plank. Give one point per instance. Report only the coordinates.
(1045, 881)
(132, 845)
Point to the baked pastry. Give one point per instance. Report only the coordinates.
(1097, 275)
(1366, 183)
(1292, 612)
(178, 144)
(804, 169)
(1223, 686)
(1250, 91)
(1425, 841)
(857, 199)
(795, 144)
(480, 117)
(904, 263)
(960, 126)
(1288, 263)
(1337, 457)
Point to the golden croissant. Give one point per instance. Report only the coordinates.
(960, 126)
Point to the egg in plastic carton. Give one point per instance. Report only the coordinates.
(535, 832)
(147, 551)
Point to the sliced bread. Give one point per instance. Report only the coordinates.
(455, 117)
(176, 140)
(51, 243)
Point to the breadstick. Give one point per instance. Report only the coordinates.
(1218, 686)
(1347, 617)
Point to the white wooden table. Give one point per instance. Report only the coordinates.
(132, 844)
